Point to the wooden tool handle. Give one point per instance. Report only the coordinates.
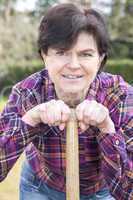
(72, 159)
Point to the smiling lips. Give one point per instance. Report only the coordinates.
(72, 76)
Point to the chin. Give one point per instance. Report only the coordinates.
(72, 90)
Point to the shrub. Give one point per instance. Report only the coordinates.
(13, 74)
(122, 67)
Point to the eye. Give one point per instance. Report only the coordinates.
(60, 52)
(86, 54)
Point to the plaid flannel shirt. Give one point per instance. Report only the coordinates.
(106, 160)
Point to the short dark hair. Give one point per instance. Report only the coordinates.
(62, 23)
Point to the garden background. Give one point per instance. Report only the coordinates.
(19, 56)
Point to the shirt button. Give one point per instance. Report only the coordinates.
(14, 128)
(125, 184)
(117, 142)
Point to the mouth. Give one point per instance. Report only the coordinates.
(72, 76)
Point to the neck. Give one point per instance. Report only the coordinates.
(70, 98)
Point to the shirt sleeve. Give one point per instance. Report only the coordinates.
(117, 152)
(15, 134)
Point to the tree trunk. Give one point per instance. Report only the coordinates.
(7, 10)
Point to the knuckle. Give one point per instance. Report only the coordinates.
(52, 101)
(77, 109)
(42, 107)
(66, 109)
(60, 101)
(86, 101)
(106, 110)
(86, 114)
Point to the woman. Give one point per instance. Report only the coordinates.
(74, 47)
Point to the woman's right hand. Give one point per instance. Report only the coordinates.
(53, 113)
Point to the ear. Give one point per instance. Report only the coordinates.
(102, 57)
(43, 56)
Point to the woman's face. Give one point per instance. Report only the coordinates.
(73, 71)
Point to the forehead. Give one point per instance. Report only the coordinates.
(85, 40)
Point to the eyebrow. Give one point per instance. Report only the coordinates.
(86, 50)
(80, 51)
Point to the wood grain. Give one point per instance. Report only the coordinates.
(72, 159)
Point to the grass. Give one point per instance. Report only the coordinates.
(9, 187)
(2, 103)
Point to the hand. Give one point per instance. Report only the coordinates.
(54, 112)
(95, 114)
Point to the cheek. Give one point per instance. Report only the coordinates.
(52, 75)
(92, 71)
(53, 72)
(53, 66)
(92, 67)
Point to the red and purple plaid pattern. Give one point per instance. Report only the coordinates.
(105, 159)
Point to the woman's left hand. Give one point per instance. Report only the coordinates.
(95, 114)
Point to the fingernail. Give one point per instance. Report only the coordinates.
(61, 127)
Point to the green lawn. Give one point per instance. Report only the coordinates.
(2, 103)
(9, 187)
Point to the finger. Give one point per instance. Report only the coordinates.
(43, 113)
(79, 111)
(87, 115)
(62, 126)
(98, 114)
(103, 113)
(49, 113)
(90, 113)
(65, 114)
(53, 112)
(57, 112)
(92, 123)
(83, 126)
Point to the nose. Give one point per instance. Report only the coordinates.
(74, 62)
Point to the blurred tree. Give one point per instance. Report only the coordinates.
(18, 40)
(42, 5)
(120, 20)
(121, 28)
(114, 18)
(129, 6)
(6, 8)
(84, 3)
(126, 22)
